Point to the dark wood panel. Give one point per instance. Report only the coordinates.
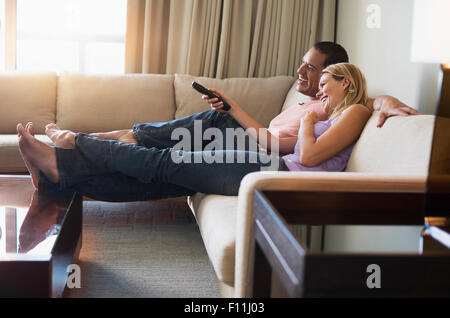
(345, 274)
(67, 246)
(400, 275)
(25, 278)
(276, 243)
(262, 274)
(316, 208)
(438, 183)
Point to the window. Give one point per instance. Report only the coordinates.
(69, 35)
(2, 35)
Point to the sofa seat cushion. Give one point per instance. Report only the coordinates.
(10, 158)
(97, 103)
(216, 218)
(27, 97)
(402, 145)
(262, 98)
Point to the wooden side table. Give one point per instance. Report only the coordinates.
(306, 274)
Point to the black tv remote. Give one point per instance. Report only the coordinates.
(201, 89)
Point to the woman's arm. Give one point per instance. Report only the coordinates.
(265, 139)
(338, 137)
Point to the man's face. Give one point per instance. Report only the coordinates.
(309, 72)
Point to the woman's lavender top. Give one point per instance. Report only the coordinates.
(336, 163)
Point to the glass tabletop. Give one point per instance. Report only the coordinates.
(30, 220)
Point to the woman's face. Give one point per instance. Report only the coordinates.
(331, 92)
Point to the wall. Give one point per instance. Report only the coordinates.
(383, 53)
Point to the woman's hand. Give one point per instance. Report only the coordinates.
(311, 117)
(338, 137)
(217, 105)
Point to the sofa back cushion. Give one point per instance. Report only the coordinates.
(401, 146)
(262, 98)
(90, 103)
(27, 97)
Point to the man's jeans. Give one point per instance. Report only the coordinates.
(112, 171)
(164, 135)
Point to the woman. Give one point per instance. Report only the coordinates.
(110, 170)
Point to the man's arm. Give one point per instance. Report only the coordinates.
(284, 145)
(389, 106)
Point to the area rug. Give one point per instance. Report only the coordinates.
(149, 249)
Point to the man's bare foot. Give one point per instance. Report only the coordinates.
(37, 157)
(33, 172)
(30, 128)
(61, 138)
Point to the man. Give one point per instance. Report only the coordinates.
(285, 125)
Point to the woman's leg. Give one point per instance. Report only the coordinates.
(87, 180)
(66, 138)
(161, 135)
(212, 172)
(124, 135)
(157, 135)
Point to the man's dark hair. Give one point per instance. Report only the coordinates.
(335, 53)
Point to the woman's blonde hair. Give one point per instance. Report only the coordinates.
(355, 93)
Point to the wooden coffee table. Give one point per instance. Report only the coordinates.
(40, 235)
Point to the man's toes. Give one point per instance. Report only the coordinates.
(20, 129)
(30, 128)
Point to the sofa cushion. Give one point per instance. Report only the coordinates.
(11, 161)
(262, 98)
(216, 218)
(95, 103)
(402, 145)
(27, 97)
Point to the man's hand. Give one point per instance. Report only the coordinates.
(390, 106)
(217, 105)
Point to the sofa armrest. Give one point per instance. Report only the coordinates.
(326, 183)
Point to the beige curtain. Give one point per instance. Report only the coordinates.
(224, 38)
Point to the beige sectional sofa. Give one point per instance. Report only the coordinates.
(392, 158)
